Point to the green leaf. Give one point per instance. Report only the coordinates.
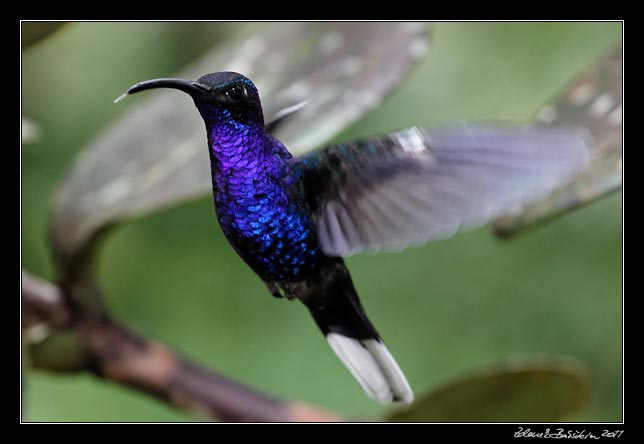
(592, 101)
(542, 389)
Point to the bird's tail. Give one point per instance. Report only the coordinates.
(354, 339)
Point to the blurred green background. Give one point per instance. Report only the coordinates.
(443, 309)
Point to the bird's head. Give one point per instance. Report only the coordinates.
(220, 96)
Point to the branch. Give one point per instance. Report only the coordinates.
(79, 342)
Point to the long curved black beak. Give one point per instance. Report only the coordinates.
(187, 86)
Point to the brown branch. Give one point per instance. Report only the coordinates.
(115, 353)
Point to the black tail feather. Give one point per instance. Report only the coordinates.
(342, 313)
(335, 307)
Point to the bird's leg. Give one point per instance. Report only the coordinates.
(274, 289)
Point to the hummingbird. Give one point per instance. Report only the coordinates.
(293, 219)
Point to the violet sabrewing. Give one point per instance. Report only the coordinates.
(292, 219)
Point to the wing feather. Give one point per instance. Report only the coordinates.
(411, 187)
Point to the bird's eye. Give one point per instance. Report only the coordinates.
(236, 93)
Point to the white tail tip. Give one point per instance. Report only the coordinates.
(371, 363)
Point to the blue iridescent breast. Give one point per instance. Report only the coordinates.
(268, 227)
(259, 207)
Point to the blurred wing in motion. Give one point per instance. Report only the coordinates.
(412, 186)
